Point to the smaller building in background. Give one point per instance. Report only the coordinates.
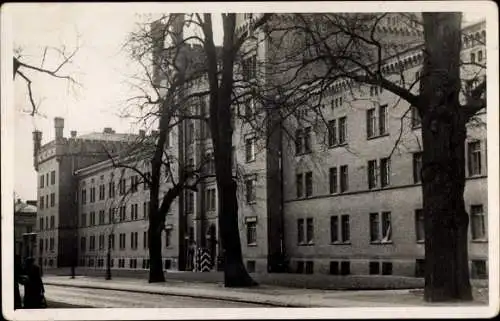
(24, 226)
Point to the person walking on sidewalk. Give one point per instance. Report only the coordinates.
(33, 288)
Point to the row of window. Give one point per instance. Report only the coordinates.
(478, 268)
(122, 245)
(132, 262)
(45, 245)
(112, 218)
(122, 188)
(210, 199)
(379, 172)
(44, 179)
(381, 227)
(44, 201)
(46, 226)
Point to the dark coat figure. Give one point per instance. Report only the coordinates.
(18, 278)
(33, 288)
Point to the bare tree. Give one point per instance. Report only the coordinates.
(25, 69)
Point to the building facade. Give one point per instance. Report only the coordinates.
(342, 196)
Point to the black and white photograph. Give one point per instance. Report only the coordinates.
(249, 160)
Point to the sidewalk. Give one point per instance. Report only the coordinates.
(263, 294)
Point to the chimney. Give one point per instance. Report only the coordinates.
(73, 134)
(108, 130)
(59, 126)
(37, 144)
(142, 133)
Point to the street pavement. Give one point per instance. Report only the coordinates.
(269, 295)
(99, 298)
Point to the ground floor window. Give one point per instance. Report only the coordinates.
(479, 269)
(168, 264)
(340, 268)
(300, 267)
(384, 268)
(309, 267)
(420, 268)
(251, 266)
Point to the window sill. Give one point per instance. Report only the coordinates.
(251, 202)
(306, 244)
(248, 161)
(380, 242)
(421, 242)
(377, 136)
(252, 245)
(341, 243)
(479, 241)
(337, 145)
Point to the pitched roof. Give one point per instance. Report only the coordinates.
(108, 136)
(24, 208)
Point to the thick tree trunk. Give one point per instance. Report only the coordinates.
(443, 173)
(154, 239)
(235, 274)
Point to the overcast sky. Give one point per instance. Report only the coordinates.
(100, 66)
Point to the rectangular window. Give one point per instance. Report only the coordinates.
(111, 241)
(333, 180)
(386, 226)
(309, 184)
(417, 167)
(40, 224)
(42, 181)
(472, 57)
(300, 266)
(102, 192)
(342, 130)
(334, 229)
(419, 268)
(168, 236)
(83, 244)
(307, 140)
(298, 141)
(210, 199)
(300, 231)
(84, 220)
(374, 227)
(40, 246)
(52, 199)
(382, 119)
(478, 269)
(52, 177)
(334, 268)
(101, 216)
(92, 243)
(345, 268)
(92, 194)
(111, 188)
(386, 268)
(309, 267)
(111, 215)
(147, 180)
(419, 225)
(251, 266)
(370, 123)
(344, 178)
(250, 149)
(480, 55)
(52, 222)
(42, 202)
(101, 242)
(474, 154)
(133, 240)
(298, 184)
(345, 228)
(51, 248)
(145, 239)
(122, 185)
(374, 268)
(372, 174)
(123, 213)
(385, 172)
(134, 182)
(478, 224)
(250, 190)
(416, 121)
(123, 239)
(310, 230)
(133, 212)
(189, 201)
(251, 233)
(92, 218)
(332, 133)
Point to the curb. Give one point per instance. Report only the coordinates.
(166, 292)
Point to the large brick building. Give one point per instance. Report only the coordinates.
(342, 197)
